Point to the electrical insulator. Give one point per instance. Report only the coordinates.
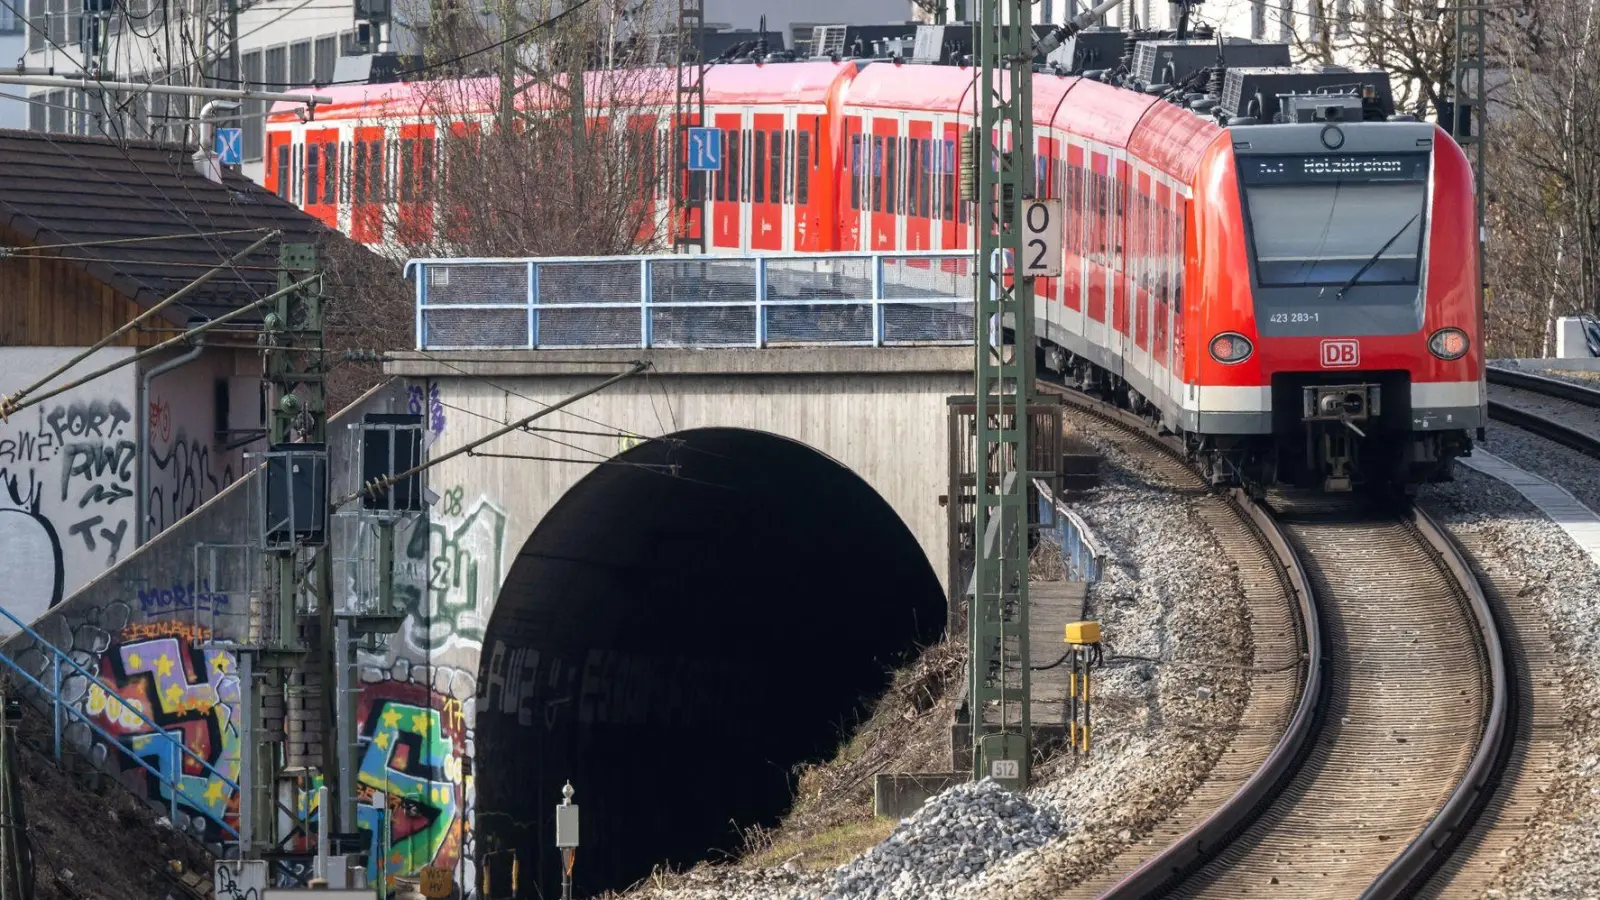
(969, 166)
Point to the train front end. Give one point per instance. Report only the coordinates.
(1342, 335)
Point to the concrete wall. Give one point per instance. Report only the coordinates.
(68, 467)
(840, 402)
(71, 468)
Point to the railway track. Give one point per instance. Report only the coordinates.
(1398, 731)
(1561, 411)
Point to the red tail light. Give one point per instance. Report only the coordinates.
(1229, 348)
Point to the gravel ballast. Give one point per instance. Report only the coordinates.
(1560, 856)
(1177, 650)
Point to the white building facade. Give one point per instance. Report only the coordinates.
(13, 44)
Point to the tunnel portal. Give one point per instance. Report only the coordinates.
(675, 641)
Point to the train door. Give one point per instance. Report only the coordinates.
(727, 212)
(366, 192)
(952, 212)
(766, 186)
(322, 173)
(919, 223)
(1121, 308)
(885, 222)
(1140, 249)
(414, 183)
(808, 185)
(1075, 273)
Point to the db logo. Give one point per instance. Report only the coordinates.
(1340, 354)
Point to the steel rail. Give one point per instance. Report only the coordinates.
(1202, 842)
(1544, 426)
(1409, 871)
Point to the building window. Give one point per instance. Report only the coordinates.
(37, 112)
(300, 64)
(277, 73)
(1286, 20)
(58, 110)
(253, 123)
(1258, 19)
(10, 22)
(326, 54)
(37, 15)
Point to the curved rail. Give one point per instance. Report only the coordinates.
(1544, 426)
(1202, 842)
(1422, 856)
(1417, 862)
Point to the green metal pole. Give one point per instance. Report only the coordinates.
(999, 679)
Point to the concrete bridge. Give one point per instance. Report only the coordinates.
(670, 592)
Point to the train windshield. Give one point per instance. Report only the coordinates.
(1333, 220)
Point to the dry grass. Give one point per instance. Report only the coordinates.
(1046, 563)
(908, 731)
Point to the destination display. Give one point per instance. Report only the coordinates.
(1333, 167)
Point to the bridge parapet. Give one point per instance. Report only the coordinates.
(778, 300)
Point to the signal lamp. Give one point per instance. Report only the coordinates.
(1448, 343)
(1229, 348)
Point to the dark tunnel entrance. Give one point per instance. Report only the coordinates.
(676, 644)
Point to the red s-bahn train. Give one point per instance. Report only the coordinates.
(1282, 271)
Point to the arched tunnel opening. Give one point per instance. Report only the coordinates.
(675, 642)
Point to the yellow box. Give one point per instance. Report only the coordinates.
(1083, 632)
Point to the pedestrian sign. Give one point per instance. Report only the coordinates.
(230, 146)
(705, 150)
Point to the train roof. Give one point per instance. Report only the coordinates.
(1160, 133)
(726, 83)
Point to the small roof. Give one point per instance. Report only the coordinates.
(60, 189)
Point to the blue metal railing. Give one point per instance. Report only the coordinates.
(841, 299)
(1081, 554)
(161, 743)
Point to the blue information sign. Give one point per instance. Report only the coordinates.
(705, 149)
(230, 146)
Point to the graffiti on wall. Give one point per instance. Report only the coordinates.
(410, 776)
(181, 597)
(191, 693)
(427, 403)
(182, 477)
(69, 472)
(457, 564)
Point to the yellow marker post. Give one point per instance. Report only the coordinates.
(1083, 639)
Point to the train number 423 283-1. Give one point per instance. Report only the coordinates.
(1294, 318)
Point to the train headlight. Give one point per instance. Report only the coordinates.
(1449, 343)
(1229, 348)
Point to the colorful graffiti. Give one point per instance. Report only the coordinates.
(461, 558)
(410, 774)
(192, 695)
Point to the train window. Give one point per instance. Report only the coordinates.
(912, 209)
(1041, 174)
(891, 177)
(375, 164)
(803, 162)
(855, 171)
(1178, 262)
(297, 174)
(759, 168)
(877, 173)
(733, 165)
(313, 174)
(358, 187)
(283, 171)
(788, 167)
(816, 141)
(425, 153)
(775, 184)
(408, 169)
(924, 159)
(722, 174)
(330, 169)
(948, 170)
